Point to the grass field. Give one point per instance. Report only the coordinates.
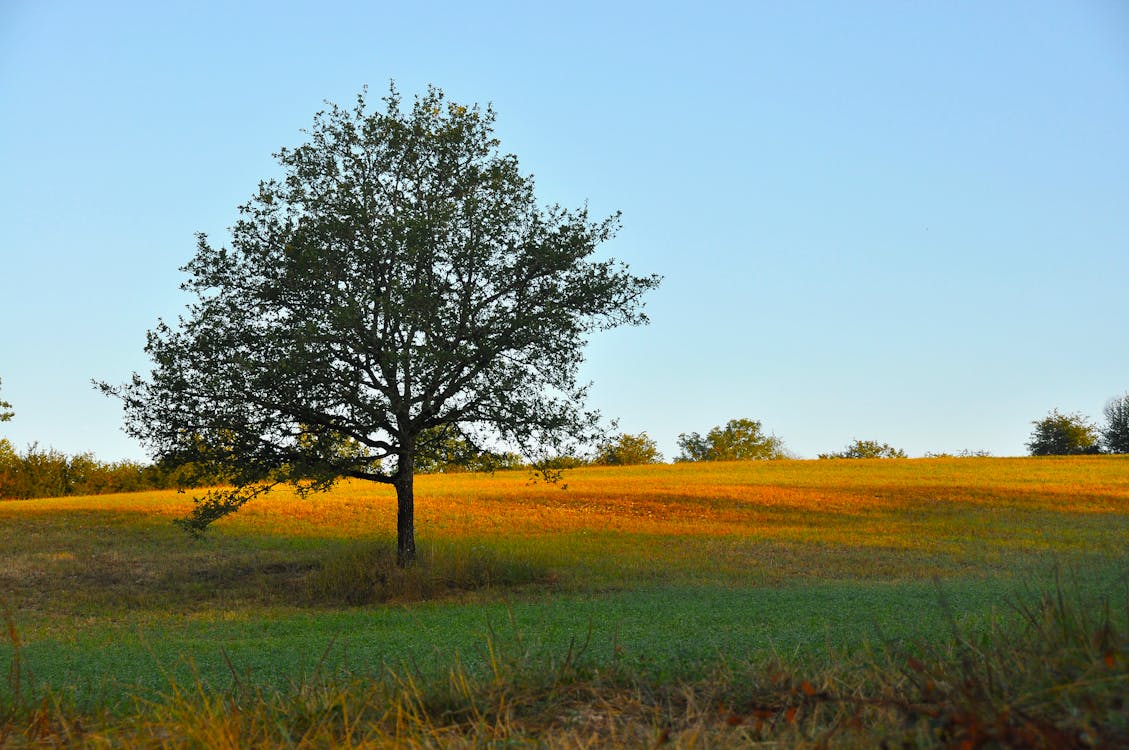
(542, 615)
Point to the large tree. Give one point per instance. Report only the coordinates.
(398, 286)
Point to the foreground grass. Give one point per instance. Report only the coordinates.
(1055, 675)
(687, 584)
(661, 634)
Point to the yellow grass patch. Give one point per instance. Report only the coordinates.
(899, 503)
(751, 521)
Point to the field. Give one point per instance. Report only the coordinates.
(796, 602)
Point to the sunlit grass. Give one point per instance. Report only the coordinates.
(755, 523)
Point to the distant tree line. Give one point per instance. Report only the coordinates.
(38, 472)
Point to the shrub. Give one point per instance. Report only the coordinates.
(867, 449)
(1063, 435)
(739, 440)
(963, 453)
(626, 450)
(39, 472)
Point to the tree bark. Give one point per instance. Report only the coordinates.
(405, 512)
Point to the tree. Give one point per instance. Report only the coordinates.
(627, 450)
(1115, 434)
(867, 449)
(1063, 435)
(9, 460)
(8, 457)
(5, 413)
(739, 440)
(400, 278)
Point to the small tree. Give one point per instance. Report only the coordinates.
(399, 279)
(867, 449)
(1115, 434)
(5, 411)
(1063, 435)
(739, 440)
(626, 450)
(8, 457)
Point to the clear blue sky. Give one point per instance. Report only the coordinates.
(901, 221)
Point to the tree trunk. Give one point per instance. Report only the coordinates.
(405, 513)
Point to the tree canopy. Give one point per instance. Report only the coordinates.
(1115, 433)
(867, 449)
(1063, 435)
(397, 287)
(738, 440)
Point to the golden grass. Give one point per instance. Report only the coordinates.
(915, 504)
(665, 499)
(748, 522)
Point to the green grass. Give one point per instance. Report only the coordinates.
(665, 633)
(643, 581)
(1051, 673)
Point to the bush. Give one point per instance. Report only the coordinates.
(627, 450)
(35, 473)
(739, 440)
(867, 449)
(963, 453)
(1063, 435)
(559, 463)
(39, 472)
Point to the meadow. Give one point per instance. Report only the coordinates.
(792, 602)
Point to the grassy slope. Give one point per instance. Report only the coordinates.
(669, 566)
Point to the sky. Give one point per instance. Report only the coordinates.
(896, 221)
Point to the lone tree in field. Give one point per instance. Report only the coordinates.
(867, 449)
(739, 440)
(1063, 435)
(1115, 434)
(398, 286)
